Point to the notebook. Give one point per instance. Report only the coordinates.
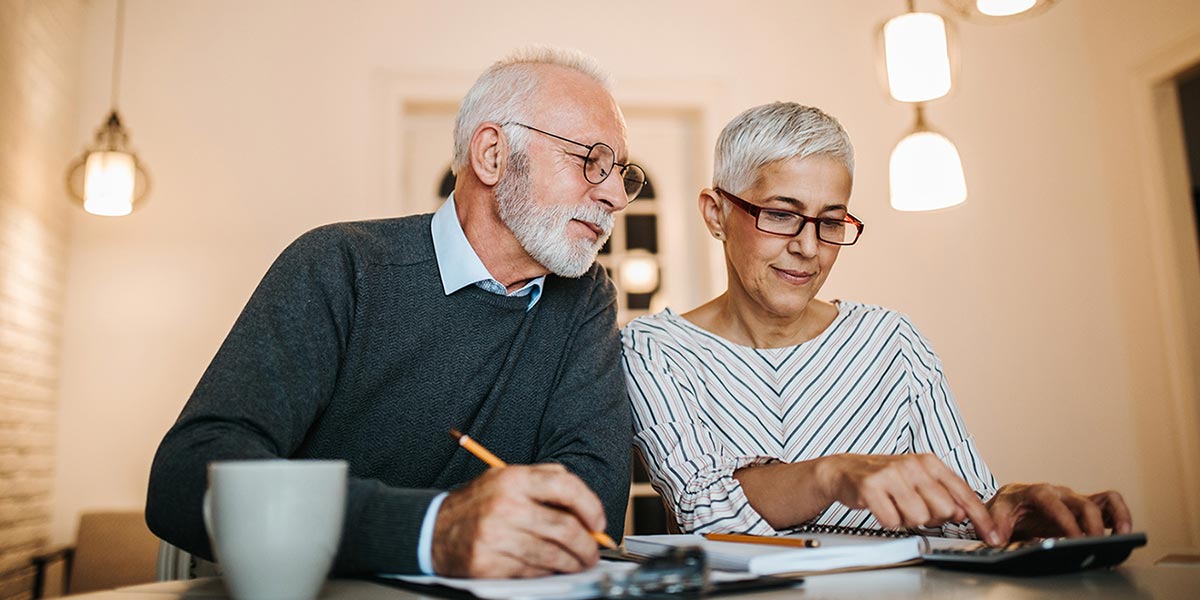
(565, 587)
(848, 548)
(836, 551)
(597, 582)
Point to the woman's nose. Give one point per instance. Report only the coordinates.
(805, 242)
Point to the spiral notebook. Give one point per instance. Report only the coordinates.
(840, 548)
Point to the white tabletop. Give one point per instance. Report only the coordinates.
(1168, 582)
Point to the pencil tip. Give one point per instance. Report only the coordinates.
(454, 433)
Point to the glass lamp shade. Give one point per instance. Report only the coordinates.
(108, 179)
(917, 57)
(108, 182)
(926, 173)
(1003, 8)
(639, 273)
(999, 11)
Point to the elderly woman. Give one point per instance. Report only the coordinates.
(767, 408)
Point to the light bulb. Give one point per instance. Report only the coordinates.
(917, 56)
(108, 184)
(926, 173)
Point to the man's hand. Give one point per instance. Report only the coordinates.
(1028, 510)
(906, 490)
(519, 521)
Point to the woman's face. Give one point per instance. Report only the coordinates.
(781, 274)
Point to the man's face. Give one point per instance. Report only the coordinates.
(559, 217)
(544, 229)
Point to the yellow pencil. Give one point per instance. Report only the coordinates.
(494, 461)
(762, 539)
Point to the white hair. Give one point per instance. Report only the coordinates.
(773, 132)
(503, 93)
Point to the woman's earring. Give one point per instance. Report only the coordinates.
(718, 235)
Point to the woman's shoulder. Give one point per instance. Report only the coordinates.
(879, 317)
(661, 327)
(862, 310)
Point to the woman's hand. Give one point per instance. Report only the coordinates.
(1028, 510)
(906, 490)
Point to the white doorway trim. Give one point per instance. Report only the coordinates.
(1174, 251)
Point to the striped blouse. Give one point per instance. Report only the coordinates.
(705, 407)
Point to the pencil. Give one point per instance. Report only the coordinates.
(494, 461)
(763, 539)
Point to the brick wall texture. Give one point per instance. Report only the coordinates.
(39, 73)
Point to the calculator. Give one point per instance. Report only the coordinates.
(1047, 556)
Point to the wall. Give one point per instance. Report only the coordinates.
(261, 119)
(38, 80)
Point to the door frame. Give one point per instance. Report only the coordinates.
(1174, 250)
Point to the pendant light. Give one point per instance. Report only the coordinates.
(997, 11)
(108, 178)
(925, 170)
(638, 273)
(916, 53)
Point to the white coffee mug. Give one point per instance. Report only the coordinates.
(275, 525)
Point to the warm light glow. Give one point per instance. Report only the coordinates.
(917, 57)
(639, 273)
(926, 173)
(108, 184)
(1003, 8)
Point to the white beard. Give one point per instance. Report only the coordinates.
(542, 230)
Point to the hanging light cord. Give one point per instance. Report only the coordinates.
(117, 43)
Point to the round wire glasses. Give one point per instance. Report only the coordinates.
(599, 162)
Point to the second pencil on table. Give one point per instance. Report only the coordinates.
(763, 539)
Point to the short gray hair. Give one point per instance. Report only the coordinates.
(772, 132)
(502, 93)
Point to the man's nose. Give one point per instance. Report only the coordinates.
(611, 191)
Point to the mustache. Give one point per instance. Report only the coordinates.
(592, 214)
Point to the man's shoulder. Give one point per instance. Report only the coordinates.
(594, 284)
(401, 240)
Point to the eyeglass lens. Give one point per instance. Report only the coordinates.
(599, 164)
(833, 231)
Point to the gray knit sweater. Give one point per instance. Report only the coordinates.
(350, 349)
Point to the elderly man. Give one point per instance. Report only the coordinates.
(367, 341)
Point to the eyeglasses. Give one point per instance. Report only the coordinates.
(599, 162)
(841, 232)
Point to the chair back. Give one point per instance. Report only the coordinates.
(112, 549)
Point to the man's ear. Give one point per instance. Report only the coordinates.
(487, 153)
(712, 210)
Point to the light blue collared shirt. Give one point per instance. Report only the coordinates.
(459, 266)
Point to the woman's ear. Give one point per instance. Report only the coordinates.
(487, 152)
(713, 212)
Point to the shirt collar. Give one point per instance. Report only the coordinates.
(458, 263)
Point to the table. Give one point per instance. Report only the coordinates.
(1128, 581)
